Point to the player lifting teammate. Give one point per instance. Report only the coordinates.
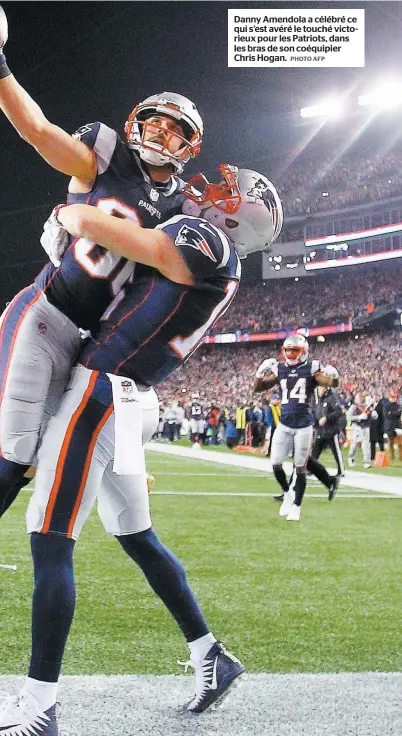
(189, 275)
(136, 179)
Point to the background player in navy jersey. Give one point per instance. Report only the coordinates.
(189, 275)
(297, 377)
(136, 179)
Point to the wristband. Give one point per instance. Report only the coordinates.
(56, 212)
(4, 70)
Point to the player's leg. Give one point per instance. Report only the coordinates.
(11, 473)
(43, 345)
(366, 449)
(282, 443)
(337, 453)
(69, 473)
(331, 482)
(302, 445)
(353, 444)
(319, 445)
(123, 506)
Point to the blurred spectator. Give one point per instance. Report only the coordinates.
(392, 420)
(314, 183)
(312, 301)
(372, 360)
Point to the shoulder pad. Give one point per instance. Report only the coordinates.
(101, 139)
(204, 247)
(316, 367)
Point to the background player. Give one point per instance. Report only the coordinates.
(197, 421)
(361, 415)
(136, 180)
(297, 377)
(189, 276)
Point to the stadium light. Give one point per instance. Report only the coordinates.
(386, 95)
(330, 108)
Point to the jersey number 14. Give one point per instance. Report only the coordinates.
(298, 391)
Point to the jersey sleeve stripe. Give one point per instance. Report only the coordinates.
(226, 248)
(104, 147)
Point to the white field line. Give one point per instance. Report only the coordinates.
(344, 704)
(354, 479)
(269, 495)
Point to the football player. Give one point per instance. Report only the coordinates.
(136, 179)
(361, 414)
(297, 376)
(93, 446)
(197, 421)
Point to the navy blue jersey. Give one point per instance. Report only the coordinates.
(160, 323)
(89, 276)
(297, 384)
(196, 410)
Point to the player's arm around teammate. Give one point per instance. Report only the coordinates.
(150, 247)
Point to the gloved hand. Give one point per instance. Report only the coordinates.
(55, 238)
(267, 366)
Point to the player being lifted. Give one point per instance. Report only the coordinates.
(189, 275)
(136, 179)
(297, 377)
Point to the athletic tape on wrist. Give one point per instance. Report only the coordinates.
(4, 70)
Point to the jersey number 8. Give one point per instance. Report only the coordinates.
(98, 261)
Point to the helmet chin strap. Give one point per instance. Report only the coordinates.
(157, 159)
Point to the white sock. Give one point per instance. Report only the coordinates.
(199, 648)
(44, 692)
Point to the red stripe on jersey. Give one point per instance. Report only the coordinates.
(64, 450)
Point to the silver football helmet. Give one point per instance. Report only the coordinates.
(174, 106)
(295, 350)
(245, 205)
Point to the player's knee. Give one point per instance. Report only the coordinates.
(301, 470)
(140, 543)
(277, 466)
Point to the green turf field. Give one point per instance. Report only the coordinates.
(323, 595)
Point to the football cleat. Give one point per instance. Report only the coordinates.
(351, 462)
(366, 466)
(294, 513)
(287, 502)
(22, 716)
(333, 487)
(215, 675)
(279, 497)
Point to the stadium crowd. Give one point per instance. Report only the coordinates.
(224, 374)
(345, 181)
(312, 301)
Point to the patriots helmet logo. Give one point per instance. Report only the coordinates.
(258, 189)
(191, 237)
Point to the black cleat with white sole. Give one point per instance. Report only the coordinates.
(214, 677)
